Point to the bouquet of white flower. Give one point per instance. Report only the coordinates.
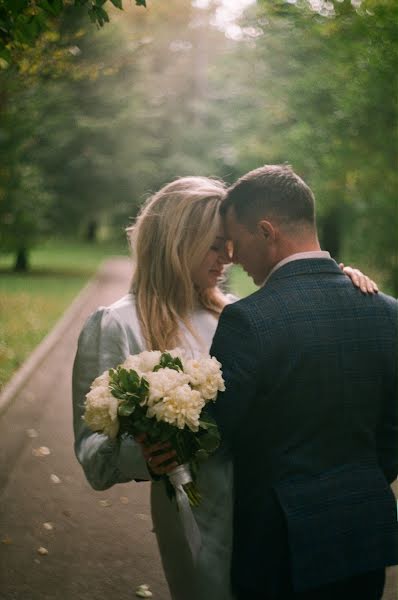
(164, 396)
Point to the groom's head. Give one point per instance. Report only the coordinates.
(269, 214)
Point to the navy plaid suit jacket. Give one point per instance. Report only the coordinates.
(310, 416)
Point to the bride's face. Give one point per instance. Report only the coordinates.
(212, 267)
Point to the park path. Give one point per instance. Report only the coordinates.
(101, 545)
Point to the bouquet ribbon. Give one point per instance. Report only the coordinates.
(180, 476)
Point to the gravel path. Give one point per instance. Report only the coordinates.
(101, 545)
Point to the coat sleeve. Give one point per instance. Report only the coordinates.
(236, 346)
(387, 433)
(102, 345)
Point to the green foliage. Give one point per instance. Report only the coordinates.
(29, 308)
(132, 391)
(23, 22)
(319, 92)
(130, 388)
(100, 119)
(23, 209)
(30, 304)
(169, 362)
(210, 437)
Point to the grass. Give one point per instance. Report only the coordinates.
(30, 304)
(239, 282)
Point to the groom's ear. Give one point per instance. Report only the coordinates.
(266, 229)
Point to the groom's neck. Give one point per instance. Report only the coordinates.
(290, 245)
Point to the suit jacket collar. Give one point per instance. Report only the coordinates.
(309, 266)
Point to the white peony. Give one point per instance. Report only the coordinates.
(163, 382)
(205, 376)
(101, 411)
(143, 362)
(149, 360)
(182, 407)
(101, 380)
(177, 353)
(132, 363)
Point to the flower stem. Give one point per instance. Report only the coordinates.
(193, 494)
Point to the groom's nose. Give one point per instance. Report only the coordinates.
(225, 257)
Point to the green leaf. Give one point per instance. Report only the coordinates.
(140, 3)
(16, 7)
(126, 409)
(117, 393)
(98, 15)
(168, 361)
(209, 442)
(102, 15)
(53, 8)
(117, 3)
(207, 422)
(165, 435)
(201, 455)
(5, 54)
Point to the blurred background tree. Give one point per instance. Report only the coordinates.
(22, 22)
(92, 121)
(321, 93)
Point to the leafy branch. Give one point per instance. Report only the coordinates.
(23, 21)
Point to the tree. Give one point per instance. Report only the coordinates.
(106, 117)
(320, 93)
(23, 22)
(42, 186)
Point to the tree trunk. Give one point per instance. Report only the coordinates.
(21, 261)
(91, 232)
(331, 233)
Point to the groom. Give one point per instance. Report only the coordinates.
(310, 412)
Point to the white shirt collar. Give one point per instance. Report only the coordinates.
(297, 256)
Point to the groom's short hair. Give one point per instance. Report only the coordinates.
(271, 191)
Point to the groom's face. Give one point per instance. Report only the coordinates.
(250, 248)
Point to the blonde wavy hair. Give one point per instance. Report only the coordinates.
(170, 238)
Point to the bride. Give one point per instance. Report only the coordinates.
(180, 253)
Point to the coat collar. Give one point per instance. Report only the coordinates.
(308, 266)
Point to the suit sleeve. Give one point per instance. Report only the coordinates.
(235, 345)
(387, 433)
(102, 345)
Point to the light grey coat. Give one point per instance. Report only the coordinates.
(109, 335)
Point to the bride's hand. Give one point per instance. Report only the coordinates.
(159, 456)
(361, 281)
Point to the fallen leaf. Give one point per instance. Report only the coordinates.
(124, 500)
(32, 433)
(42, 551)
(143, 591)
(142, 517)
(6, 540)
(55, 478)
(42, 451)
(49, 526)
(105, 503)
